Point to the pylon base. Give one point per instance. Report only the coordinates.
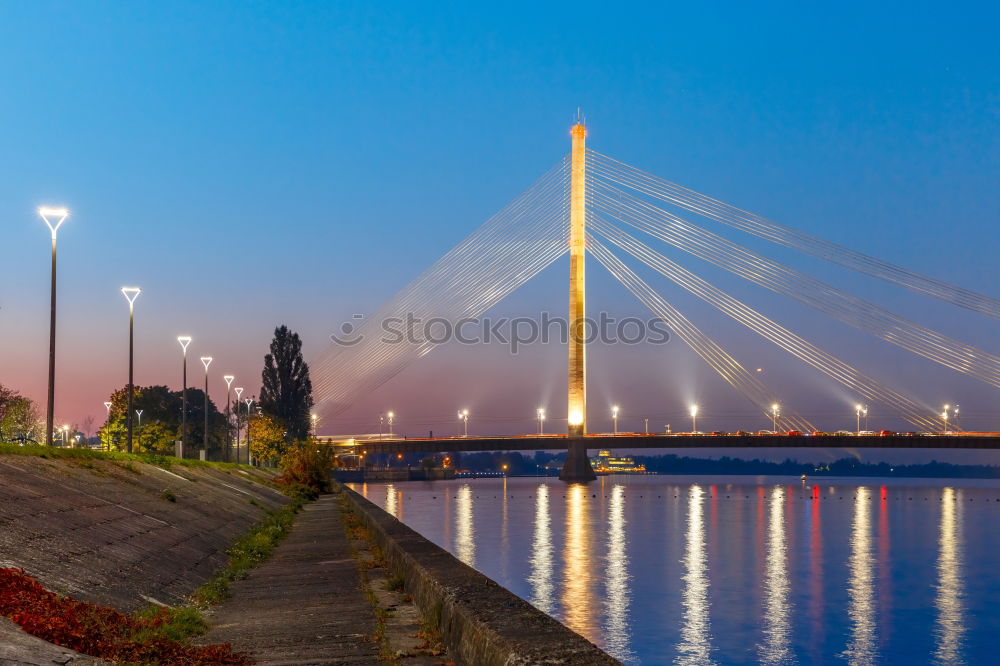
(577, 467)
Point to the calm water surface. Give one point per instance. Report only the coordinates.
(735, 570)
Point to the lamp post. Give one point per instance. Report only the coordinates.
(312, 419)
(694, 418)
(381, 420)
(206, 361)
(614, 417)
(239, 392)
(958, 421)
(130, 294)
(65, 435)
(249, 402)
(944, 415)
(775, 415)
(463, 416)
(857, 413)
(53, 217)
(107, 427)
(184, 341)
(392, 416)
(138, 426)
(229, 425)
(540, 415)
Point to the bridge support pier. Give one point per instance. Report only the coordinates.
(577, 467)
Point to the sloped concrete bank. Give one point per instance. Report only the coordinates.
(124, 534)
(480, 622)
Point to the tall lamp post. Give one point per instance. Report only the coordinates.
(184, 341)
(694, 418)
(614, 417)
(107, 427)
(463, 416)
(775, 415)
(540, 415)
(138, 426)
(857, 412)
(53, 217)
(130, 294)
(249, 402)
(239, 392)
(206, 361)
(392, 417)
(229, 425)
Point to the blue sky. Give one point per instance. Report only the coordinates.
(252, 163)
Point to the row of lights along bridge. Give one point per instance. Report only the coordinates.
(54, 218)
(950, 413)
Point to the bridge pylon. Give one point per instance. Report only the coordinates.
(577, 466)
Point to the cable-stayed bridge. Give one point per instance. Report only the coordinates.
(592, 204)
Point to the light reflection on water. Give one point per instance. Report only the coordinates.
(950, 622)
(660, 570)
(695, 646)
(862, 649)
(774, 648)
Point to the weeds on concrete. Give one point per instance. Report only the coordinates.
(249, 551)
(168, 495)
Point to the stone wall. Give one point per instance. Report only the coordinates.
(482, 623)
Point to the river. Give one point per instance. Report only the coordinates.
(736, 569)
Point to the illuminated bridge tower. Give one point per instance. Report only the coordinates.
(577, 466)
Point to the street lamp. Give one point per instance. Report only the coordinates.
(857, 411)
(130, 294)
(239, 392)
(65, 435)
(540, 414)
(229, 425)
(463, 416)
(614, 417)
(958, 421)
(53, 217)
(312, 418)
(249, 402)
(694, 418)
(138, 413)
(944, 415)
(184, 341)
(775, 414)
(392, 417)
(107, 427)
(206, 361)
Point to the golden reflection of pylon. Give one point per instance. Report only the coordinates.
(577, 577)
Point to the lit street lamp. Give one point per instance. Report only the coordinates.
(463, 416)
(206, 361)
(130, 294)
(614, 417)
(53, 218)
(392, 417)
(944, 415)
(857, 411)
(239, 392)
(312, 418)
(694, 418)
(540, 414)
(775, 415)
(249, 402)
(958, 421)
(184, 341)
(107, 429)
(229, 425)
(138, 427)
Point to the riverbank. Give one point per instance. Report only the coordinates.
(121, 531)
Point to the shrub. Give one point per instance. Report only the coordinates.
(306, 468)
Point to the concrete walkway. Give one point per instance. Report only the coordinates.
(304, 605)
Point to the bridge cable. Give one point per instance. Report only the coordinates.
(623, 174)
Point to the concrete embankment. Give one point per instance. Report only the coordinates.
(123, 534)
(481, 622)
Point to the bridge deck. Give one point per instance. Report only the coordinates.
(642, 441)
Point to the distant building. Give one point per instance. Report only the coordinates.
(604, 463)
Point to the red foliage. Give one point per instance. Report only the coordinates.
(98, 631)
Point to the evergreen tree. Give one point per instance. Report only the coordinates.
(287, 391)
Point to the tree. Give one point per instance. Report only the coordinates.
(287, 391)
(267, 438)
(161, 421)
(19, 417)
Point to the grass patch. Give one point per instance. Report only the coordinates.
(395, 583)
(84, 456)
(168, 495)
(249, 551)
